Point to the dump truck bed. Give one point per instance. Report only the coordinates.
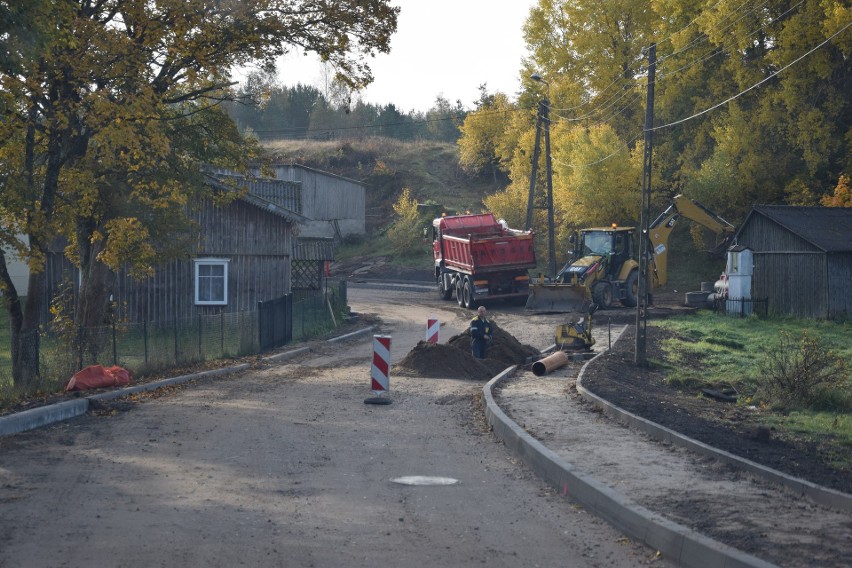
(484, 253)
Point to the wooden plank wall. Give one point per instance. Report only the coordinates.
(327, 199)
(763, 234)
(795, 283)
(840, 285)
(788, 270)
(256, 242)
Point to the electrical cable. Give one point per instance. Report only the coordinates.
(721, 49)
(625, 83)
(696, 115)
(704, 37)
(759, 83)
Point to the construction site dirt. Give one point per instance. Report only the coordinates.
(266, 412)
(712, 498)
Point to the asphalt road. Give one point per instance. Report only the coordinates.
(286, 466)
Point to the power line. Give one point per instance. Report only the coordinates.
(704, 37)
(721, 49)
(628, 82)
(705, 111)
(621, 149)
(759, 83)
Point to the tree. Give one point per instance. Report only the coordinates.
(110, 108)
(842, 196)
(772, 138)
(443, 120)
(405, 235)
(481, 131)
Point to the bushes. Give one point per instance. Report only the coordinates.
(406, 234)
(802, 373)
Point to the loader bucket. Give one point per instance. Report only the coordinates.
(557, 298)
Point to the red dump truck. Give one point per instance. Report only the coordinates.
(480, 258)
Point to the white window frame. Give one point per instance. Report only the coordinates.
(198, 262)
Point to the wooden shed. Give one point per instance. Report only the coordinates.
(334, 205)
(242, 256)
(802, 259)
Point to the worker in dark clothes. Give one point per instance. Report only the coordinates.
(480, 333)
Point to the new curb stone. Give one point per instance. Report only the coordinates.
(825, 496)
(673, 540)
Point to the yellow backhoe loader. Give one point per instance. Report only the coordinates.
(604, 267)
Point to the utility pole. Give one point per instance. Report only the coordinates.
(543, 117)
(645, 281)
(551, 230)
(536, 148)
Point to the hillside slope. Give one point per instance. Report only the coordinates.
(429, 169)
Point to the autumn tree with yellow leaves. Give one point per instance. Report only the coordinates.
(109, 109)
(751, 107)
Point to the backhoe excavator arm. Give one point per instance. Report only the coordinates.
(660, 230)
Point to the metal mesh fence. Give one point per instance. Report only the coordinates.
(149, 347)
(146, 347)
(742, 307)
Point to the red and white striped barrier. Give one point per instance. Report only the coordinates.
(380, 371)
(433, 326)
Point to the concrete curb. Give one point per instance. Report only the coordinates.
(42, 416)
(351, 335)
(45, 415)
(675, 541)
(830, 498)
(288, 354)
(111, 395)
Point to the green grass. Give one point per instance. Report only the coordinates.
(832, 432)
(715, 350)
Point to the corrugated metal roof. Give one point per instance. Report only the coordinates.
(827, 228)
(259, 191)
(306, 248)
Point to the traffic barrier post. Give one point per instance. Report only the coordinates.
(380, 370)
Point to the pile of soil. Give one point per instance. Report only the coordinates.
(503, 347)
(454, 359)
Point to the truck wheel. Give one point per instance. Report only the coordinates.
(460, 292)
(631, 290)
(469, 303)
(443, 291)
(602, 294)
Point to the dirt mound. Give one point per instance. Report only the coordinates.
(454, 360)
(503, 347)
(446, 362)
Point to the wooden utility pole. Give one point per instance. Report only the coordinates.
(551, 230)
(543, 118)
(645, 281)
(536, 149)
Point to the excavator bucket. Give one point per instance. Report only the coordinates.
(557, 298)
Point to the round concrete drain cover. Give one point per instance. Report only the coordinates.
(424, 480)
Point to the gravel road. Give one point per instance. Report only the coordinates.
(286, 466)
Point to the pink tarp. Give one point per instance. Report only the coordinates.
(96, 376)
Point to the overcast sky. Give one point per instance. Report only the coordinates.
(441, 47)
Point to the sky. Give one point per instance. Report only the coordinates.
(441, 47)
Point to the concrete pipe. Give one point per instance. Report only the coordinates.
(549, 363)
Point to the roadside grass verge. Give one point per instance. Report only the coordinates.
(720, 352)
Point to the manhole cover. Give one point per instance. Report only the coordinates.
(424, 480)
